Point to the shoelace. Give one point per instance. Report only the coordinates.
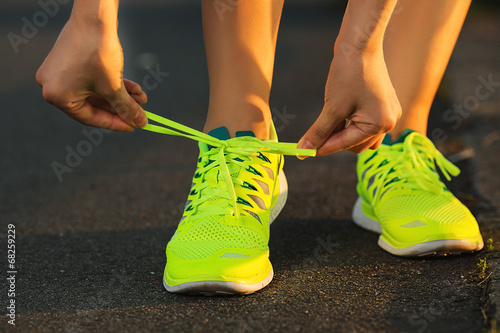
(417, 163)
(243, 146)
(209, 169)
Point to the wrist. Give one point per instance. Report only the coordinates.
(96, 14)
(363, 27)
(349, 47)
(346, 51)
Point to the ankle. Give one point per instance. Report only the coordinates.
(243, 117)
(398, 130)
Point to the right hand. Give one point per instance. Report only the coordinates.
(358, 89)
(83, 76)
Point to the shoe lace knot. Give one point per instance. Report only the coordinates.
(225, 152)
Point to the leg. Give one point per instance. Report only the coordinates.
(235, 193)
(240, 42)
(418, 44)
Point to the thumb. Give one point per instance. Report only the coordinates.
(327, 123)
(127, 108)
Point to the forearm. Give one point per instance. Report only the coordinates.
(363, 26)
(100, 14)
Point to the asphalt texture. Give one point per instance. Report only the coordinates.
(90, 243)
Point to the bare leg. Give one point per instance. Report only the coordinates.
(240, 42)
(418, 44)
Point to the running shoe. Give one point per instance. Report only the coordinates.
(402, 197)
(239, 188)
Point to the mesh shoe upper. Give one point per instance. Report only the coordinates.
(401, 189)
(212, 220)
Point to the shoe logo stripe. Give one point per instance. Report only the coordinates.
(413, 224)
(233, 255)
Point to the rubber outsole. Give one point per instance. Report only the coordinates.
(433, 248)
(219, 288)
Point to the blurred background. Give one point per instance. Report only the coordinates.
(93, 238)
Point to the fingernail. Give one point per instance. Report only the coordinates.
(140, 119)
(304, 144)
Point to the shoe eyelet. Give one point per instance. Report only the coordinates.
(249, 186)
(254, 171)
(243, 202)
(263, 157)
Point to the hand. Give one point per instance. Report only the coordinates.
(359, 89)
(83, 76)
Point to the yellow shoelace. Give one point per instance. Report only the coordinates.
(241, 145)
(416, 161)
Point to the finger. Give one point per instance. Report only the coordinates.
(127, 108)
(378, 143)
(327, 122)
(140, 99)
(98, 102)
(132, 87)
(369, 144)
(347, 138)
(135, 91)
(93, 116)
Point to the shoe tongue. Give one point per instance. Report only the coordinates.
(220, 133)
(387, 139)
(239, 134)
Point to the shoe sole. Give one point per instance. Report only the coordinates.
(433, 248)
(219, 288)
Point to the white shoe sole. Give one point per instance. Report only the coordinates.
(212, 288)
(433, 248)
(218, 288)
(282, 197)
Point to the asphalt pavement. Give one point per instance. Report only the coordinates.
(93, 211)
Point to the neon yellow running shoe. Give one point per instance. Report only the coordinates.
(221, 243)
(402, 198)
